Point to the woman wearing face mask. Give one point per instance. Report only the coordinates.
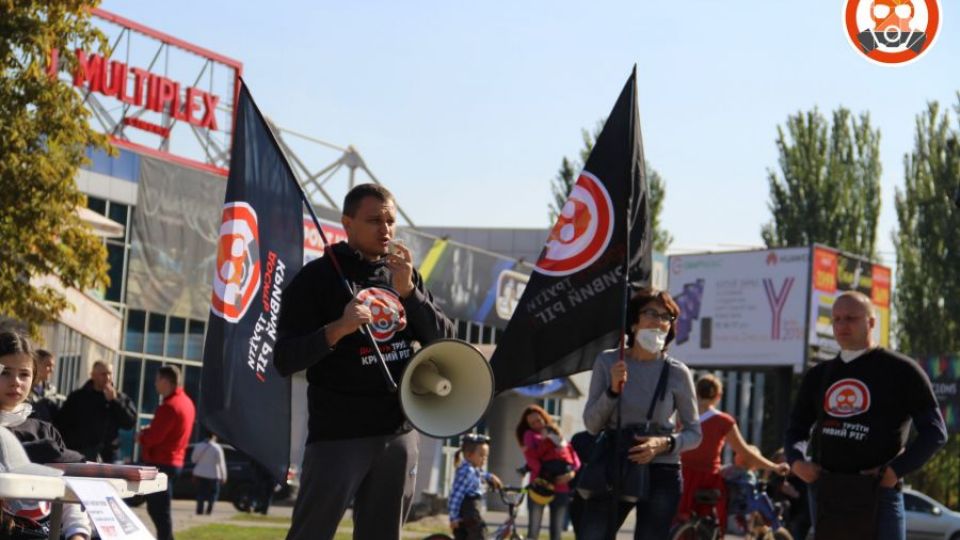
(655, 395)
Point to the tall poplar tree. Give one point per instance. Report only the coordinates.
(928, 280)
(827, 189)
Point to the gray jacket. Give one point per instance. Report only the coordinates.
(680, 400)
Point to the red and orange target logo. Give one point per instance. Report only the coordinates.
(388, 314)
(582, 231)
(846, 397)
(237, 276)
(892, 32)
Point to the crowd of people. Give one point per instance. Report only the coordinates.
(654, 437)
(661, 438)
(84, 426)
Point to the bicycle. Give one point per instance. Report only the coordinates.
(513, 498)
(701, 527)
(759, 516)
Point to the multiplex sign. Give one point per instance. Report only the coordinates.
(154, 93)
(142, 88)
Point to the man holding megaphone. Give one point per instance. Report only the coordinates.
(359, 446)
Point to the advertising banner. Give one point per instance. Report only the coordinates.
(833, 273)
(742, 308)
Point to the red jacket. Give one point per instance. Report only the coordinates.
(165, 440)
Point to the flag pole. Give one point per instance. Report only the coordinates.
(328, 251)
(624, 325)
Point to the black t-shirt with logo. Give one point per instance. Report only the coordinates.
(866, 406)
(347, 394)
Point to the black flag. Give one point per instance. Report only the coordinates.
(243, 398)
(572, 307)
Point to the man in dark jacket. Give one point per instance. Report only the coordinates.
(92, 416)
(358, 446)
(856, 411)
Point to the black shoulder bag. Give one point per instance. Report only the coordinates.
(597, 474)
(846, 502)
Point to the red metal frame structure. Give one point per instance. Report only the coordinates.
(135, 94)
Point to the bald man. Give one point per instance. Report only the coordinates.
(93, 414)
(855, 411)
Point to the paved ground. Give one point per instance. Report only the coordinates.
(184, 517)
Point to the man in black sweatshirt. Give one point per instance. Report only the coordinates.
(358, 446)
(860, 406)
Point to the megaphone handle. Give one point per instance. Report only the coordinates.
(391, 384)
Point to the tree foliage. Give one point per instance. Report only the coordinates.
(44, 138)
(928, 282)
(828, 186)
(928, 240)
(567, 175)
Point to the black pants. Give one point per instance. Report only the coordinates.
(208, 491)
(158, 504)
(472, 526)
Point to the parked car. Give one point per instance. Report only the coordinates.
(241, 481)
(928, 519)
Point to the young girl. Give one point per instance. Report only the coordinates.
(552, 463)
(40, 439)
(466, 495)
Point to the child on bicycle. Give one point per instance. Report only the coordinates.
(466, 502)
(743, 496)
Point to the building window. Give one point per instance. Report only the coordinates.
(115, 254)
(176, 337)
(155, 331)
(97, 204)
(195, 340)
(132, 368)
(133, 338)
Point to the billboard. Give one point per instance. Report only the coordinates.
(832, 273)
(944, 373)
(741, 308)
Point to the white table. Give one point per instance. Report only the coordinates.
(55, 489)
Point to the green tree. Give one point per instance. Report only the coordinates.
(928, 256)
(567, 174)
(44, 137)
(828, 186)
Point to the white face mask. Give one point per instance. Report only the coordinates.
(651, 339)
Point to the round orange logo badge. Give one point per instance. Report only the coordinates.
(237, 276)
(583, 229)
(389, 317)
(891, 32)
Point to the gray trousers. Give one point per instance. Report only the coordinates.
(377, 473)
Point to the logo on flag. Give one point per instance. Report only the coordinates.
(583, 229)
(388, 314)
(237, 276)
(847, 397)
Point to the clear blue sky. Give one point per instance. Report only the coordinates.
(465, 109)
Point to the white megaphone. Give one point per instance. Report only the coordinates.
(446, 388)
